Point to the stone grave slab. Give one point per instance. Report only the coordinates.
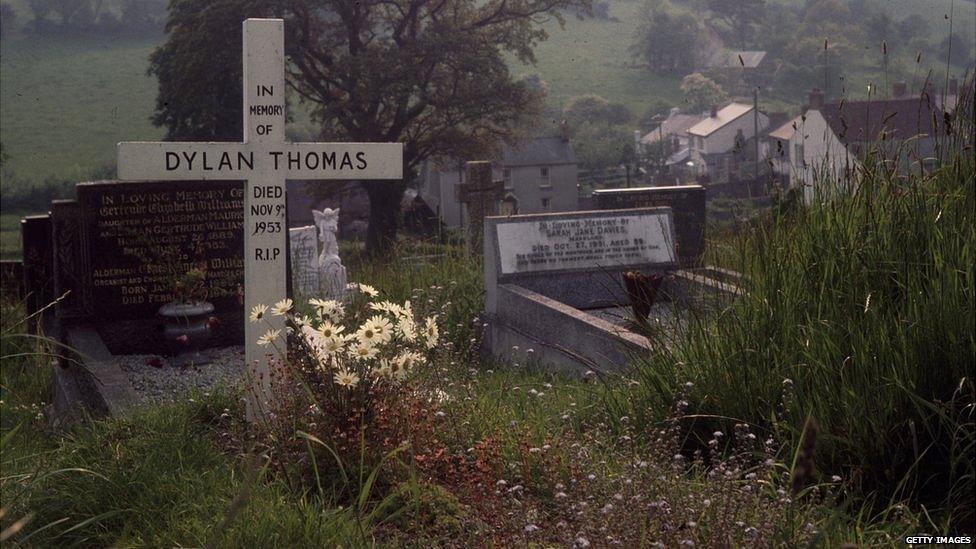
(687, 202)
(553, 284)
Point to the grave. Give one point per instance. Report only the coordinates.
(480, 196)
(303, 242)
(554, 284)
(686, 201)
(208, 200)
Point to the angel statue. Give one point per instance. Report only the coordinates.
(332, 275)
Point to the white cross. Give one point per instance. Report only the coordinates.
(265, 160)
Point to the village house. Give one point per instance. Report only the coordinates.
(540, 175)
(831, 140)
(673, 132)
(717, 141)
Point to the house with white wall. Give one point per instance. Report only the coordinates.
(833, 139)
(715, 141)
(541, 175)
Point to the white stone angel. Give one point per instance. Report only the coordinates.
(332, 274)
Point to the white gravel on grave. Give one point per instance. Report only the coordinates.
(167, 383)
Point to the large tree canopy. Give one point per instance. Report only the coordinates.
(428, 73)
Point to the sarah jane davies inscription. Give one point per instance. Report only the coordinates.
(585, 243)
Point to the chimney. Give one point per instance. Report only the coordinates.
(953, 86)
(899, 89)
(564, 131)
(816, 99)
(714, 111)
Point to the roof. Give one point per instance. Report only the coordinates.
(676, 124)
(860, 121)
(731, 59)
(786, 131)
(724, 116)
(679, 157)
(538, 152)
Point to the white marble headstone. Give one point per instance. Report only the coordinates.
(303, 243)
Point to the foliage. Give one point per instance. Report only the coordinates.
(741, 17)
(860, 308)
(668, 41)
(199, 70)
(702, 93)
(600, 131)
(91, 16)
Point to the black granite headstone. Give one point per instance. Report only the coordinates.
(687, 202)
(137, 236)
(38, 254)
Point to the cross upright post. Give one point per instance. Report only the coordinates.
(265, 161)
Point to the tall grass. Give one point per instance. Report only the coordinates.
(858, 313)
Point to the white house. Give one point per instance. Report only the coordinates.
(833, 139)
(715, 140)
(540, 175)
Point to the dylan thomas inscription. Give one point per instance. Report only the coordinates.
(557, 244)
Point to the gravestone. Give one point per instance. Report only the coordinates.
(265, 161)
(38, 255)
(687, 202)
(543, 272)
(303, 243)
(480, 195)
(136, 236)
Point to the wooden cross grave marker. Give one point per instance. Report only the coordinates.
(265, 160)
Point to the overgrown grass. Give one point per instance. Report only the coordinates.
(861, 310)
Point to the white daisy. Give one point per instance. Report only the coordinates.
(257, 313)
(363, 351)
(431, 332)
(269, 337)
(346, 378)
(282, 307)
(368, 290)
(330, 330)
(407, 329)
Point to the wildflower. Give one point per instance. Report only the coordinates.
(330, 330)
(346, 378)
(333, 345)
(328, 309)
(580, 543)
(529, 528)
(368, 290)
(382, 327)
(385, 369)
(431, 332)
(374, 333)
(407, 329)
(364, 351)
(282, 307)
(303, 320)
(269, 337)
(257, 313)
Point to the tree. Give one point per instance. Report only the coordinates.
(702, 93)
(199, 70)
(593, 109)
(741, 16)
(669, 42)
(429, 73)
(955, 49)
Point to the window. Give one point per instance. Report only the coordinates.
(544, 175)
(798, 159)
(507, 176)
(545, 203)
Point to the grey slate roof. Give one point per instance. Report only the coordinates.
(541, 151)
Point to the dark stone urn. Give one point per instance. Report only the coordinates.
(187, 330)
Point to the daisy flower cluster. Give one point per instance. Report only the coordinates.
(352, 345)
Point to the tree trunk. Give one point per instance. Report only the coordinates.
(384, 209)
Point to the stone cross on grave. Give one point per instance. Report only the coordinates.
(265, 160)
(480, 195)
